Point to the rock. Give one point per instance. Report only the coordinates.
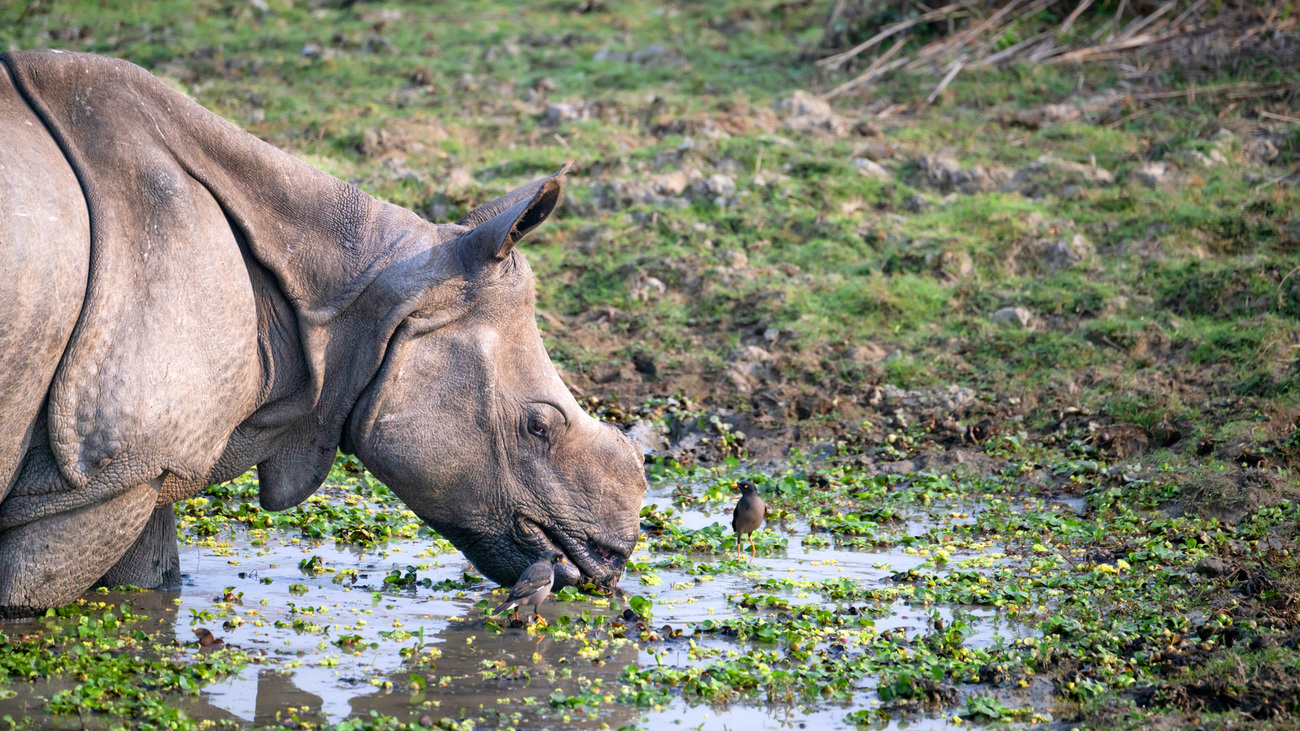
(748, 368)
(804, 112)
(604, 53)
(871, 169)
(1052, 175)
(1196, 158)
(1014, 317)
(1151, 174)
(1062, 253)
(501, 50)
(647, 436)
(1039, 117)
(715, 186)
(458, 178)
(917, 203)
(1213, 567)
(751, 354)
(645, 365)
(1262, 149)
(651, 54)
(379, 45)
(663, 190)
(645, 288)
(560, 112)
(956, 265)
(914, 405)
(863, 353)
(606, 374)
(942, 171)
(803, 104)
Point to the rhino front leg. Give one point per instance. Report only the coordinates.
(51, 561)
(152, 562)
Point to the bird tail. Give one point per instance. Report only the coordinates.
(506, 606)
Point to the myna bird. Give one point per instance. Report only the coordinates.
(748, 515)
(533, 586)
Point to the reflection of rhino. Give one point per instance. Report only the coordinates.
(182, 301)
(457, 684)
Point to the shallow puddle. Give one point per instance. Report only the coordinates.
(335, 642)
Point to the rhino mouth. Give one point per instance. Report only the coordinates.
(597, 561)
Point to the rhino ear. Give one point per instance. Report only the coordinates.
(499, 225)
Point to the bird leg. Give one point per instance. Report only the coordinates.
(739, 553)
(516, 614)
(539, 619)
(752, 550)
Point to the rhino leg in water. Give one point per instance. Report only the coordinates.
(46, 561)
(152, 562)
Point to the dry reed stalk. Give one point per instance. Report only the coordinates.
(839, 59)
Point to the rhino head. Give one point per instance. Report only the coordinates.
(468, 422)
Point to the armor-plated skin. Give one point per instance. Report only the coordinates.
(184, 301)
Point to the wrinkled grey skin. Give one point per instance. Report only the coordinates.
(183, 302)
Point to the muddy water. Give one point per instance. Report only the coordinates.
(332, 649)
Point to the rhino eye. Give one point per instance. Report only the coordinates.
(536, 426)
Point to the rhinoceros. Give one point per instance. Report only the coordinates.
(182, 301)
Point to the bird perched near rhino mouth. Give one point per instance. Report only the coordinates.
(290, 315)
(533, 587)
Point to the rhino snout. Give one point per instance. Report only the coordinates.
(595, 559)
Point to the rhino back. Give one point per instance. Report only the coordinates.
(163, 360)
(45, 255)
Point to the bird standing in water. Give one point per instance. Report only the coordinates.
(748, 516)
(533, 586)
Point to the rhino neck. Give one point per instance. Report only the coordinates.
(318, 360)
(321, 246)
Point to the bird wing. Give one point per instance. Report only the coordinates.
(535, 577)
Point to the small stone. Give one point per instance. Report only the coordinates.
(607, 54)
(865, 353)
(956, 264)
(1212, 567)
(1014, 317)
(718, 185)
(644, 364)
(1065, 252)
(801, 103)
(1151, 174)
(647, 437)
(649, 53)
(558, 112)
(871, 169)
(917, 203)
(804, 112)
(459, 178)
(736, 259)
(1049, 174)
(426, 721)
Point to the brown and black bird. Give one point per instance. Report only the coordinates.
(749, 514)
(533, 586)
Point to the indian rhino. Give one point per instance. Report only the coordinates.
(183, 301)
